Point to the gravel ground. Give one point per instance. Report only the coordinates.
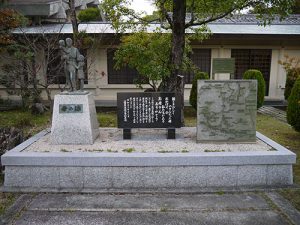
(146, 140)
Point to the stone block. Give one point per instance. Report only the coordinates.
(191, 176)
(71, 177)
(221, 176)
(77, 126)
(17, 176)
(128, 177)
(252, 175)
(226, 111)
(45, 177)
(97, 177)
(159, 177)
(279, 175)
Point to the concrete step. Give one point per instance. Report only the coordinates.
(246, 208)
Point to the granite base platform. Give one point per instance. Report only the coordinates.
(106, 172)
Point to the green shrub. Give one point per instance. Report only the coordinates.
(261, 84)
(89, 14)
(293, 109)
(193, 94)
(291, 77)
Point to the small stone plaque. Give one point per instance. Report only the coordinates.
(70, 108)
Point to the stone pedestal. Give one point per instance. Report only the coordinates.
(74, 119)
(226, 111)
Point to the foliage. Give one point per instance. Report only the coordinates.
(201, 12)
(83, 40)
(9, 19)
(261, 84)
(293, 109)
(296, 7)
(149, 55)
(291, 78)
(89, 14)
(292, 67)
(193, 95)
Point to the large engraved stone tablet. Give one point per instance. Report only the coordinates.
(74, 119)
(226, 111)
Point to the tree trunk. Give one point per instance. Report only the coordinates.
(174, 83)
(73, 20)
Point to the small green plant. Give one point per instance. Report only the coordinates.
(220, 192)
(164, 151)
(293, 109)
(64, 150)
(261, 84)
(163, 209)
(214, 150)
(128, 150)
(193, 94)
(109, 150)
(96, 150)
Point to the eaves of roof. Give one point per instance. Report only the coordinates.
(216, 28)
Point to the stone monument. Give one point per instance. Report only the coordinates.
(226, 111)
(74, 118)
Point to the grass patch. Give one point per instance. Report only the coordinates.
(293, 195)
(289, 138)
(107, 119)
(284, 135)
(6, 200)
(30, 124)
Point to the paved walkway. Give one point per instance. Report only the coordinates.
(274, 112)
(239, 208)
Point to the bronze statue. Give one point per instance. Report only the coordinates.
(73, 64)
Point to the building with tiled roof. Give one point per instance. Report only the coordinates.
(242, 37)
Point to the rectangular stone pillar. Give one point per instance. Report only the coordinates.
(74, 119)
(226, 111)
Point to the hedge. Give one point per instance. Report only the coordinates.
(261, 84)
(293, 109)
(193, 94)
(291, 77)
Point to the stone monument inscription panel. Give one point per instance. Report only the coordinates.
(148, 110)
(226, 111)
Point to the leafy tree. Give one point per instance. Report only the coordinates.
(149, 55)
(293, 109)
(201, 12)
(261, 84)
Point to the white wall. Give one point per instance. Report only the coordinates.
(98, 77)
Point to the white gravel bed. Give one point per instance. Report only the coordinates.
(146, 141)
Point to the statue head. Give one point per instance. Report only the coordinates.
(61, 43)
(69, 42)
(81, 58)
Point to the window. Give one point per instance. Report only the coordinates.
(202, 59)
(124, 75)
(55, 69)
(259, 59)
